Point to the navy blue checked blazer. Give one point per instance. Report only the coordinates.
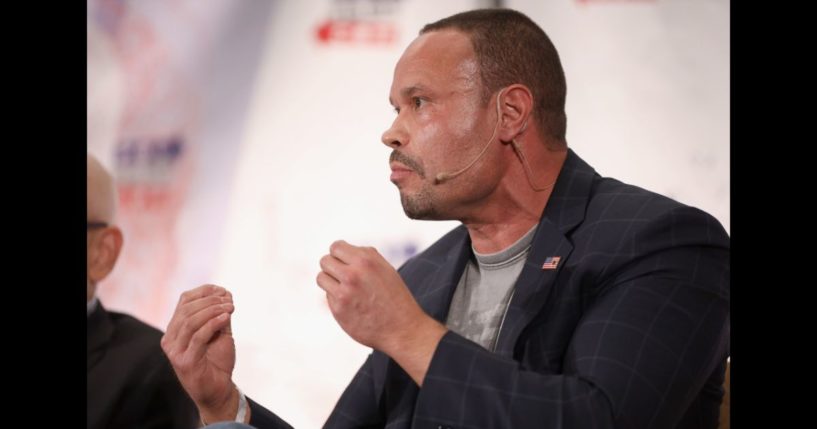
(631, 330)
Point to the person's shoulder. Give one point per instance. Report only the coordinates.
(139, 344)
(621, 215)
(610, 203)
(134, 333)
(133, 324)
(613, 200)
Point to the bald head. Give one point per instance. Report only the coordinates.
(105, 242)
(101, 193)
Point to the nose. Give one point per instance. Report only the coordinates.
(396, 136)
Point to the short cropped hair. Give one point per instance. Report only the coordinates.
(511, 48)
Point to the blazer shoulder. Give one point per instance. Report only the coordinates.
(137, 339)
(614, 202)
(134, 327)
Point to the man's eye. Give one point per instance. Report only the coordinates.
(418, 102)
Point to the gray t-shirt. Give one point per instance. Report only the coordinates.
(484, 291)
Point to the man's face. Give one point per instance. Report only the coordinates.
(96, 229)
(441, 126)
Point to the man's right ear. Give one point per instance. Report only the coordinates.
(104, 253)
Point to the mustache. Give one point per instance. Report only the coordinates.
(408, 162)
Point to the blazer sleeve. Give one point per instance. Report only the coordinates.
(263, 418)
(359, 406)
(654, 332)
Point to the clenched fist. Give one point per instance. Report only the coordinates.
(370, 301)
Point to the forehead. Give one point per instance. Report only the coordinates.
(437, 58)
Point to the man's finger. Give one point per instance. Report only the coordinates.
(192, 324)
(328, 283)
(333, 267)
(215, 326)
(343, 251)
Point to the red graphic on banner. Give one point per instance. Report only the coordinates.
(615, 1)
(357, 32)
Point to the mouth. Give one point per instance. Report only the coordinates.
(399, 172)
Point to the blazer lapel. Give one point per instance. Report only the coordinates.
(436, 295)
(565, 209)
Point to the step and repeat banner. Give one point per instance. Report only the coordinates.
(245, 138)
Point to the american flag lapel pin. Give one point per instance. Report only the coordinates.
(551, 262)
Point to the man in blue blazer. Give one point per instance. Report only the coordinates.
(564, 299)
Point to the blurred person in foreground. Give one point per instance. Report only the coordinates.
(130, 381)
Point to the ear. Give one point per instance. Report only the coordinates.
(515, 106)
(103, 251)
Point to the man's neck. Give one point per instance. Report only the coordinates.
(496, 237)
(515, 207)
